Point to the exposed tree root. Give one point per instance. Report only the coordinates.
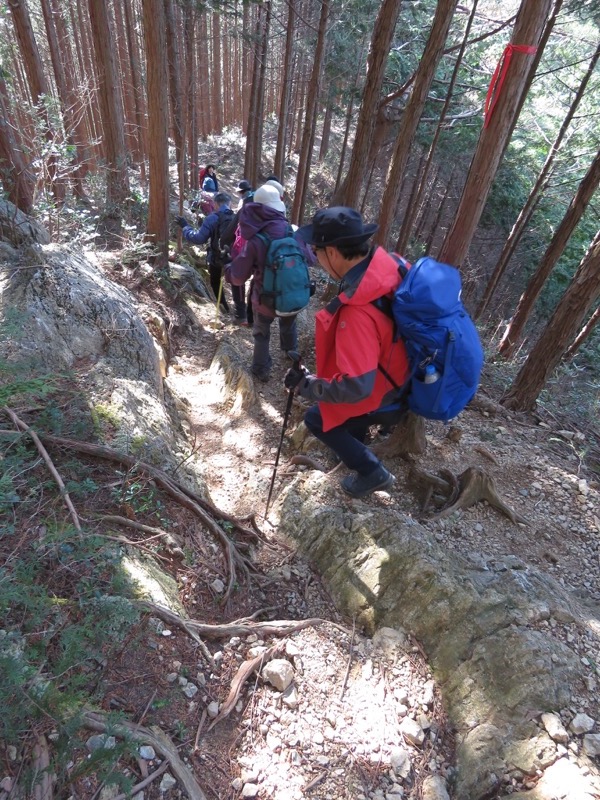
(171, 618)
(470, 487)
(241, 676)
(240, 627)
(154, 737)
(407, 439)
(205, 511)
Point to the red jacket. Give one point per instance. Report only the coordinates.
(352, 337)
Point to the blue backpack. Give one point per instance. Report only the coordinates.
(442, 343)
(286, 282)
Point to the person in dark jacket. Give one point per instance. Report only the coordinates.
(231, 240)
(360, 364)
(266, 214)
(210, 182)
(210, 231)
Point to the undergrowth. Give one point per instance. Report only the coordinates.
(64, 601)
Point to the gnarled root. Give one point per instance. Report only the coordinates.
(471, 486)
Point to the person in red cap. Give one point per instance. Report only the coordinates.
(359, 365)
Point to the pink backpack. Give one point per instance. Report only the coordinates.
(238, 244)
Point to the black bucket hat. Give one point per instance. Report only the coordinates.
(336, 225)
(244, 186)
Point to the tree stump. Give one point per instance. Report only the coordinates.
(407, 439)
(470, 487)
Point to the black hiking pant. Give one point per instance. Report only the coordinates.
(215, 272)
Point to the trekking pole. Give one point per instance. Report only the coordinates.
(296, 359)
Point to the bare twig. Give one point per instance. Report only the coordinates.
(146, 782)
(157, 739)
(348, 665)
(199, 730)
(44, 453)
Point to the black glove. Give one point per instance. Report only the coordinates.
(182, 222)
(294, 376)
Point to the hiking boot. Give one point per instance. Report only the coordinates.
(262, 376)
(361, 485)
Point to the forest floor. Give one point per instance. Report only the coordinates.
(362, 718)
(338, 732)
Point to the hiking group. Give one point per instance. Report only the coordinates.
(395, 338)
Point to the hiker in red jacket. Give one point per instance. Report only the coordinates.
(355, 348)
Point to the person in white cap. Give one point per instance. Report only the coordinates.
(265, 215)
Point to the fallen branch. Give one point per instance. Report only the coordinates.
(154, 737)
(146, 782)
(241, 676)
(42, 778)
(44, 454)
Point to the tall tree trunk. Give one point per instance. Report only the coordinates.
(134, 65)
(411, 211)
(189, 17)
(412, 113)
(547, 352)
(310, 120)
(253, 143)
(248, 52)
(495, 135)
(61, 62)
(569, 222)
(286, 83)
(111, 111)
(535, 194)
(89, 75)
(326, 132)
(216, 104)
(158, 110)
(15, 175)
(584, 334)
(125, 75)
(174, 62)
(383, 34)
(436, 222)
(202, 73)
(37, 85)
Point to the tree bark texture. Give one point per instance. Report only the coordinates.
(286, 84)
(494, 138)
(310, 120)
(537, 190)
(413, 205)
(412, 113)
(381, 40)
(111, 110)
(158, 110)
(15, 174)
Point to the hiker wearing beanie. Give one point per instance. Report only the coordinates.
(265, 215)
(354, 340)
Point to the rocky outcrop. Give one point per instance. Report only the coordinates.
(482, 628)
